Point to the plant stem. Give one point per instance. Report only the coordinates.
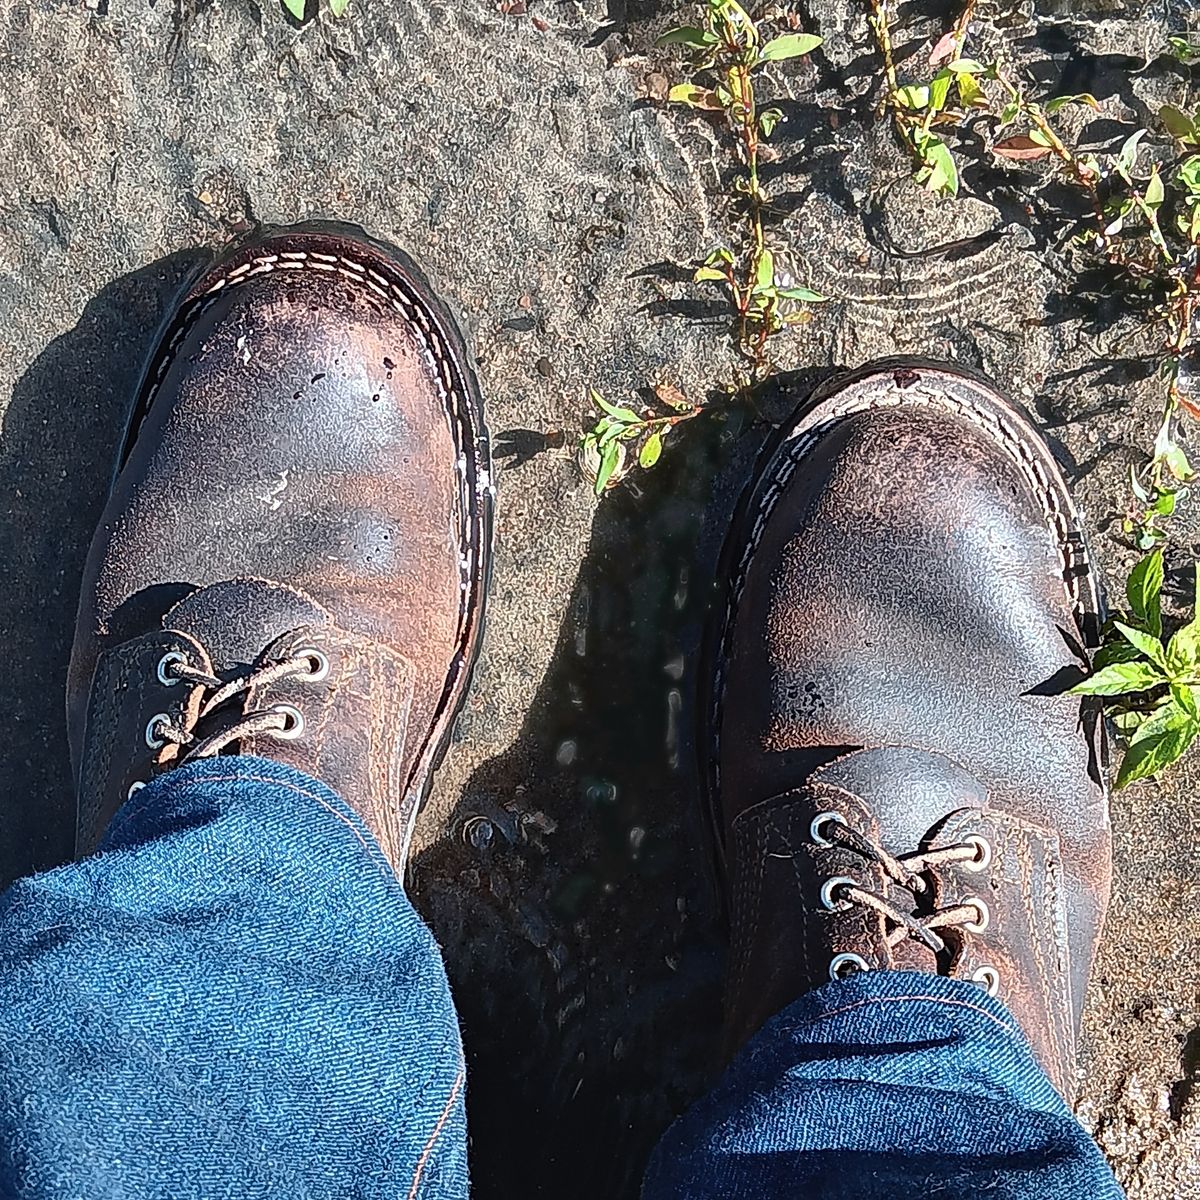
(883, 36)
(960, 30)
(743, 116)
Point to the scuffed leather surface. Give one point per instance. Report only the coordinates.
(126, 692)
(356, 727)
(306, 428)
(905, 587)
(236, 618)
(784, 938)
(1027, 938)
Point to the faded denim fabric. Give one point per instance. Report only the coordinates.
(235, 999)
(889, 1085)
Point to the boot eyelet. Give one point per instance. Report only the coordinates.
(828, 900)
(988, 978)
(169, 659)
(819, 822)
(295, 723)
(983, 853)
(843, 966)
(318, 662)
(152, 737)
(985, 915)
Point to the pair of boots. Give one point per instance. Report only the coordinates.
(294, 564)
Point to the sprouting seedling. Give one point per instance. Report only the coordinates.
(1150, 683)
(920, 110)
(727, 53)
(960, 88)
(606, 446)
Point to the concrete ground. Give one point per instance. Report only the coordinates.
(521, 157)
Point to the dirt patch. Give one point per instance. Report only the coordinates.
(528, 166)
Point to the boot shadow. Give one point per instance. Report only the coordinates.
(59, 441)
(573, 893)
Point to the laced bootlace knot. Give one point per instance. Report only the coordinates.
(284, 722)
(914, 873)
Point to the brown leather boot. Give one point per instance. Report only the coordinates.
(894, 785)
(294, 556)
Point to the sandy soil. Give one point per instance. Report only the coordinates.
(521, 159)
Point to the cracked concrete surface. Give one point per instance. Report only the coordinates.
(523, 161)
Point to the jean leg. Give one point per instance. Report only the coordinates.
(233, 998)
(885, 1084)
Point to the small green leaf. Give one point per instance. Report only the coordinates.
(611, 432)
(1149, 646)
(939, 90)
(966, 66)
(337, 7)
(609, 457)
(1143, 589)
(913, 96)
(764, 272)
(1127, 156)
(802, 293)
(1183, 48)
(1177, 463)
(768, 120)
(942, 175)
(1189, 173)
(296, 8)
(1052, 106)
(1176, 122)
(1183, 650)
(970, 93)
(1185, 699)
(694, 97)
(1164, 506)
(613, 410)
(1009, 112)
(710, 274)
(1155, 192)
(651, 450)
(688, 35)
(1113, 652)
(790, 45)
(1119, 679)
(1157, 743)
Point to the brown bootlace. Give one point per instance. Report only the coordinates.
(907, 871)
(278, 721)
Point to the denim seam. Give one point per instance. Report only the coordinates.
(459, 1080)
(942, 1000)
(136, 806)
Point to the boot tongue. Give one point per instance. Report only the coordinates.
(237, 619)
(907, 791)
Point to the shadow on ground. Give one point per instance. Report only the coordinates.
(61, 434)
(572, 892)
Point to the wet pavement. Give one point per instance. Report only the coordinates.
(562, 858)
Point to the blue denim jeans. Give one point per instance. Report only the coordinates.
(234, 998)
